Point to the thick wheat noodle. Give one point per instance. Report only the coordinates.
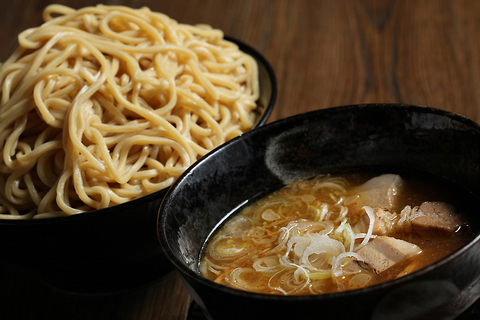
(105, 104)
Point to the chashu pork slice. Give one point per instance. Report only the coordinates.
(383, 225)
(429, 219)
(381, 191)
(439, 219)
(383, 252)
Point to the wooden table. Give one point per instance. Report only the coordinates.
(324, 53)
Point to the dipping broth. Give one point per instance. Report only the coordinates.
(335, 233)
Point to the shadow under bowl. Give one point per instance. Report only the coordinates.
(375, 135)
(108, 250)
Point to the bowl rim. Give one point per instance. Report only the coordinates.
(186, 271)
(159, 194)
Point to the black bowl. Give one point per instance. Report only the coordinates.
(108, 250)
(385, 136)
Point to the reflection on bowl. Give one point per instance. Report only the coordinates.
(107, 250)
(387, 136)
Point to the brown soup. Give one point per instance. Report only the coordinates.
(339, 232)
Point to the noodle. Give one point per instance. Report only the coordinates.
(106, 104)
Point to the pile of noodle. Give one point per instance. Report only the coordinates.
(106, 104)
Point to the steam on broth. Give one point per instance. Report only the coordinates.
(335, 233)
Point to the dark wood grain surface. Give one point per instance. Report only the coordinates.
(324, 53)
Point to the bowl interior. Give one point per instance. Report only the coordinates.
(112, 249)
(381, 136)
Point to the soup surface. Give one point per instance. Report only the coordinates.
(337, 232)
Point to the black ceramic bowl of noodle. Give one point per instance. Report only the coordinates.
(380, 135)
(112, 249)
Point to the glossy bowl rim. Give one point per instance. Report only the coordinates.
(264, 116)
(186, 271)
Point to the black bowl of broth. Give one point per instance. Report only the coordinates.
(112, 249)
(436, 155)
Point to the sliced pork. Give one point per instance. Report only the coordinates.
(384, 223)
(379, 192)
(430, 218)
(383, 252)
